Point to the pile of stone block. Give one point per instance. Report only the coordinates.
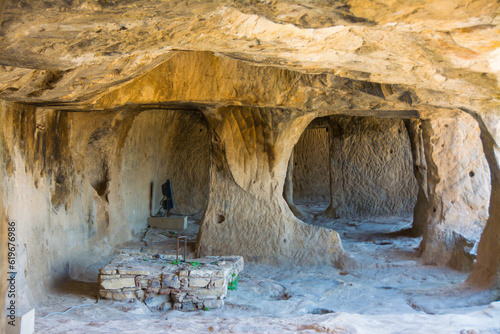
(163, 283)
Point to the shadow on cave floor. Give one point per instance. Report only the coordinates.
(78, 288)
(376, 228)
(372, 241)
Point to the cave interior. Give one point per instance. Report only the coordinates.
(310, 174)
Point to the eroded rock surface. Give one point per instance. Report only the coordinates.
(102, 94)
(246, 213)
(458, 182)
(370, 171)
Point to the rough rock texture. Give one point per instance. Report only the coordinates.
(76, 184)
(78, 73)
(288, 189)
(69, 50)
(458, 180)
(191, 285)
(311, 176)
(162, 145)
(246, 213)
(414, 128)
(371, 170)
(486, 272)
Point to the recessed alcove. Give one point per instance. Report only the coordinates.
(359, 166)
(163, 145)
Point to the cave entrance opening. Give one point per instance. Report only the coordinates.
(356, 173)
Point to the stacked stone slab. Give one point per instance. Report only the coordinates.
(155, 280)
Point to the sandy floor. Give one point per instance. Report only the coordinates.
(389, 293)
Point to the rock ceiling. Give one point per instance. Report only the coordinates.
(446, 53)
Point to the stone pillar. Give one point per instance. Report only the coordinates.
(457, 187)
(414, 129)
(3, 221)
(288, 189)
(486, 271)
(246, 213)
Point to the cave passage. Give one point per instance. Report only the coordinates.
(354, 167)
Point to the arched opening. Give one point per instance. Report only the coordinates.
(354, 167)
(165, 145)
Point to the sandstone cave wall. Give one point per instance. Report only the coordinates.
(459, 188)
(370, 164)
(371, 167)
(486, 270)
(38, 176)
(246, 213)
(67, 181)
(311, 174)
(164, 145)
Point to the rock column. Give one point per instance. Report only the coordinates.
(288, 189)
(246, 213)
(335, 133)
(414, 129)
(457, 172)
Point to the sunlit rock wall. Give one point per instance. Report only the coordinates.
(246, 213)
(459, 188)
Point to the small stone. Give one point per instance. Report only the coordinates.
(124, 294)
(107, 271)
(144, 283)
(165, 307)
(223, 272)
(174, 283)
(154, 286)
(105, 277)
(209, 293)
(137, 281)
(133, 271)
(198, 282)
(184, 282)
(139, 294)
(205, 272)
(118, 283)
(156, 301)
(218, 283)
(213, 304)
(179, 297)
(188, 306)
(106, 294)
(167, 277)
